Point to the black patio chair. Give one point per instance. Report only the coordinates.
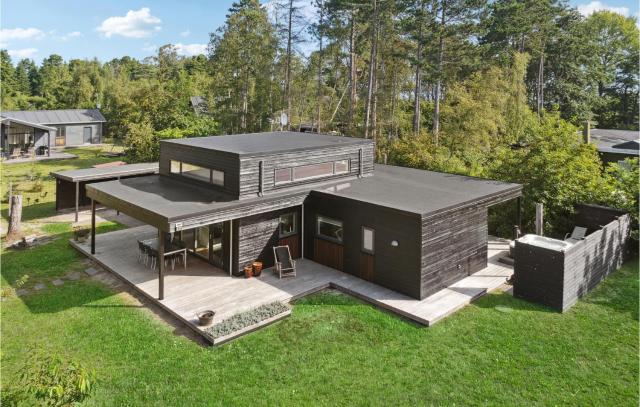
(285, 265)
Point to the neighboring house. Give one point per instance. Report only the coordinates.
(230, 199)
(615, 145)
(199, 105)
(47, 129)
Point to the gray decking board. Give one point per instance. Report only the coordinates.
(202, 286)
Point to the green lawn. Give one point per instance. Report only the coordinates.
(17, 173)
(333, 350)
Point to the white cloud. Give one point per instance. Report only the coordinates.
(150, 47)
(67, 36)
(22, 53)
(135, 24)
(588, 9)
(185, 33)
(189, 50)
(7, 34)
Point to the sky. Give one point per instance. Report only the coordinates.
(111, 29)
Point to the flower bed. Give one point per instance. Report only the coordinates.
(247, 318)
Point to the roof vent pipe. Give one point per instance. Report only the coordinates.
(586, 132)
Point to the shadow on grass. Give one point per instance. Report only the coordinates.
(620, 290)
(46, 262)
(33, 212)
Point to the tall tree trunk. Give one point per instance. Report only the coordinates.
(319, 90)
(353, 74)
(287, 74)
(372, 70)
(15, 217)
(436, 108)
(418, 81)
(540, 95)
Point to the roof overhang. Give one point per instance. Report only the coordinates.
(96, 174)
(7, 121)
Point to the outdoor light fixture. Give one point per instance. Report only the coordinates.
(394, 243)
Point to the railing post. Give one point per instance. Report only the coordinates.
(93, 226)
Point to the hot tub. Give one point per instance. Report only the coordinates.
(545, 242)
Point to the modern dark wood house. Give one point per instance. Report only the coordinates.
(230, 199)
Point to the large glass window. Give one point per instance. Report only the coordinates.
(288, 224)
(329, 228)
(193, 171)
(207, 175)
(341, 167)
(282, 175)
(368, 239)
(312, 171)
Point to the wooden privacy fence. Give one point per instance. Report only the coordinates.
(558, 278)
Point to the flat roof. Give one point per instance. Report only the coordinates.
(91, 174)
(422, 192)
(267, 143)
(608, 139)
(165, 199)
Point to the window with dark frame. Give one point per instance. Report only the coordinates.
(208, 175)
(330, 229)
(288, 225)
(368, 240)
(341, 167)
(312, 171)
(282, 175)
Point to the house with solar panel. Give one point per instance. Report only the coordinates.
(37, 132)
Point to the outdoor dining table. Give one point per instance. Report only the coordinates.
(170, 250)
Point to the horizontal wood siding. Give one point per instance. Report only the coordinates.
(454, 245)
(328, 253)
(558, 279)
(250, 169)
(397, 268)
(217, 160)
(255, 238)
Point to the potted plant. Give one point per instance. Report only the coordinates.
(257, 268)
(80, 233)
(248, 272)
(205, 317)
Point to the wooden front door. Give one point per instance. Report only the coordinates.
(328, 253)
(366, 266)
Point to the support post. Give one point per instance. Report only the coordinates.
(93, 226)
(77, 199)
(518, 227)
(231, 248)
(539, 219)
(161, 244)
(302, 232)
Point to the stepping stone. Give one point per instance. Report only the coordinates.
(74, 276)
(91, 271)
(21, 292)
(57, 282)
(40, 286)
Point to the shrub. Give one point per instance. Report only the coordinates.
(53, 381)
(247, 318)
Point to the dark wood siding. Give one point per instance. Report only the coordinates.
(328, 253)
(217, 160)
(250, 167)
(66, 192)
(397, 268)
(454, 245)
(294, 244)
(254, 238)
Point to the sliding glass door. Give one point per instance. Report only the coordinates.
(206, 242)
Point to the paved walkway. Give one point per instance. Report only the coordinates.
(201, 286)
(55, 155)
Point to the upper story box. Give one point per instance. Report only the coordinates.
(248, 165)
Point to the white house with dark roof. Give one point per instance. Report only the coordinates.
(42, 130)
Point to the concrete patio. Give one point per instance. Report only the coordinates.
(55, 155)
(201, 286)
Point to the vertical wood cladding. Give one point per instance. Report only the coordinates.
(294, 244)
(217, 160)
(394, 267)
(250, 166)
(328, 253)
(454, 245)
(558, 279)
(255, 237)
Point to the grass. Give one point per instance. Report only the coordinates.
(16, 173)
(333, 350)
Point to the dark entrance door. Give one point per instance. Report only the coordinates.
(366, 266)
(86, 135)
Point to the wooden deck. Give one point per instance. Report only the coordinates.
(202, 286)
